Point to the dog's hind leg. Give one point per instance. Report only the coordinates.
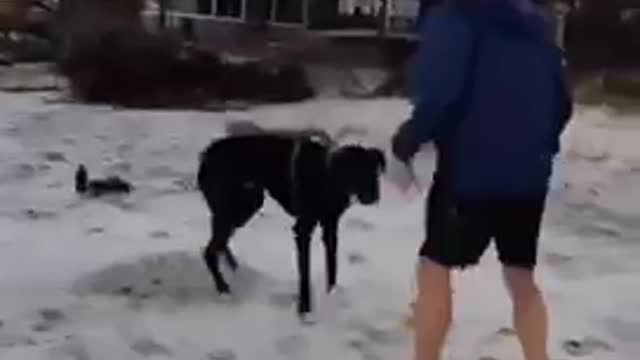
(231, 259)
(246, 203)
(221, 232)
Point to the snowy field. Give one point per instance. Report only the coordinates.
(121, 278)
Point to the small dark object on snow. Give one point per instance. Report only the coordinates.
(160, 234)
(585, 347)
(505, 331)
(51, 315)
(356, 258)
(125, 290)
(149, 347)
(574, 348)
(54, 156)
(42, 327)
(34, 214)
(96, 230)
(99, 187)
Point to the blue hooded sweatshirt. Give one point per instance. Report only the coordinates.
(489, 89)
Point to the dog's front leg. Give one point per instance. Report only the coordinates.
(330, 239)
(303, 230)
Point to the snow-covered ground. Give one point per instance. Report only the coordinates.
(122, 278)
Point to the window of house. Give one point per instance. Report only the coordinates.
(288, 11)
(229, 8)
(205, 7)
(223, 8)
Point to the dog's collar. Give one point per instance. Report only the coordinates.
(293, 166)
(293, 172)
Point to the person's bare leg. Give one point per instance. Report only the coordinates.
(432, 316)
(529, 312)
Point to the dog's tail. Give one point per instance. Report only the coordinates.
(247, 127)
(82, 180)
(243, 127)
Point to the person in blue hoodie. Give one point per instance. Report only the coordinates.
(490, 92)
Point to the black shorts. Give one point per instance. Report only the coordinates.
(458, 233)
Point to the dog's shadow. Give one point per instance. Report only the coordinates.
(178, 276)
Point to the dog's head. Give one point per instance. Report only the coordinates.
(357, 171)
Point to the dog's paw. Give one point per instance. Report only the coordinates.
(308, 319)
(226, 298)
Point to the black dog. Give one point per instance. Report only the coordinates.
(99, 187)
(311, 181)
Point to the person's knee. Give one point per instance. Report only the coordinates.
(521, 284)
(431, 270)
(432, 277)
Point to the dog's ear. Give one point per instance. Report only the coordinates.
(380, 160)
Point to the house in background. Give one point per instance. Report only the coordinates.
(291, 14)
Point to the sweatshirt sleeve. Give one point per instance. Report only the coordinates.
(440, 68)
(564, 102)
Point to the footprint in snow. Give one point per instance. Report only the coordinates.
(69, 141)
(55, 185)
(25, 171)
(124, 149)
(163, 171)
(364, 348)
(54, 156)
(159, 234)
(506, 332)
(556, 259)
(11, 131)
(356, 258)
(599, 230)
(119, 167)
(359, 224)
(221, 354)
(121, 203)
(293, 346)
(49, 318)
(96, 230)
(16, 340)
(41, 327)
(282, 300)
(71, 349)
(377, 334)
(52, 315)
(186, 183)
(44, 167)
(149, 347)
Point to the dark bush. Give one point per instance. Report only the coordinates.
(144, 70)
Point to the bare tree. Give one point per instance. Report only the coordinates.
(383, 15)
(82, 21)
(163, 6)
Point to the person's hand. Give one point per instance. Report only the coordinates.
(403, 144)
